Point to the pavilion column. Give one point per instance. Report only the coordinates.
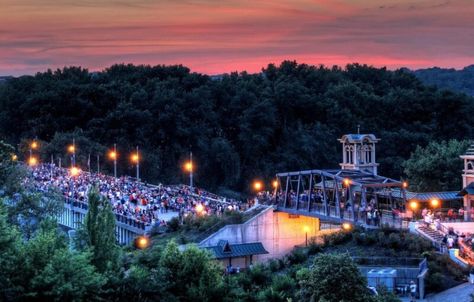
(325, 196)
(298, 192)
(310, 191)
(351, 200)
(338, 202)
(467, 208)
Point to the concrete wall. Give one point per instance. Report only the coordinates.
(278, 232)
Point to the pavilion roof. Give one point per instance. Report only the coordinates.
(356, 177)
(224, 249)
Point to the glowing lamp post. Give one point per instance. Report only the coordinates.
(136, 160)
(72, 149)
(405, 184)
(275, 184)
(142, 242)
(189, 167)
(413, 206)
(199, 209)
(14, 157)
(32, 161)
(435, 203)
(306, 230)
(75, 171)
(258, 186)
(347, 182)
(346, 226)
(33, 146)
(113, 156)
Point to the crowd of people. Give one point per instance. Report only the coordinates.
(136, 200)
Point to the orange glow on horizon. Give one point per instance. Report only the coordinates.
(248, 35)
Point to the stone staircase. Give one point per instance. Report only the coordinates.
(433, 235)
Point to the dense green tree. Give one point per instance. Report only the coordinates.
(98, 232)
(190, 275)
(239, 126)
(9, 246)
(68, 276)
(437, 166)
(333, 278)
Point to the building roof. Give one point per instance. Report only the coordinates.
(422, 196)
(356, 177)
(468, 190)
(224, 249)
(358, 138)
(470, 150)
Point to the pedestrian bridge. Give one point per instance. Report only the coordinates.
(126, 229)
(339, 196)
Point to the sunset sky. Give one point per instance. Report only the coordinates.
(227, 35)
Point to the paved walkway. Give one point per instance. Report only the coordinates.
(168, 216)
(460, 293)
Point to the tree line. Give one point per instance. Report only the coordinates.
(239, 126)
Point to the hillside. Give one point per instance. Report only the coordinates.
(456, 80)
(239, 126)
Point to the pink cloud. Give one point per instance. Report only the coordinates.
(222, 36)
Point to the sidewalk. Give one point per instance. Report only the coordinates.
(460, 293)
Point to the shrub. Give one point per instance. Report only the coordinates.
(434, 282)
(173, 224)
(283, 283)
(314, 248)
(275, 265)
(297, 256)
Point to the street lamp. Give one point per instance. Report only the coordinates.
(75, 171)
(413, 206)
(275, 184)
(33, 146)
(346, 226)
(142, 242)
(306, 230)
(405, 184)
(113, 156)
(32, 161)
(136, 159)
(189, 167)
(258, 186)
(14, 157)
(347, 182)
(199, 208)
(72, 149)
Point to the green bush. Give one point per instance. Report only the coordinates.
(297, 256)
(314, 248)
(283, 283)
(336, 238)
(434, 282)
(173, 224)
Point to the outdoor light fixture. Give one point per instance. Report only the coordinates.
(33, 161)
(347, 182)
(142, 242)
(275, 184)
(346, 226)
(405, 184)
(75, 171)
(257, 186)
(413, 205)
(434, 202)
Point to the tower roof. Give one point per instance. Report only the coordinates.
(470, 150)
(358, 138)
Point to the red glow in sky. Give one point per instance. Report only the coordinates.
(217, 36)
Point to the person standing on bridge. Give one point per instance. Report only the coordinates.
(413, 288)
